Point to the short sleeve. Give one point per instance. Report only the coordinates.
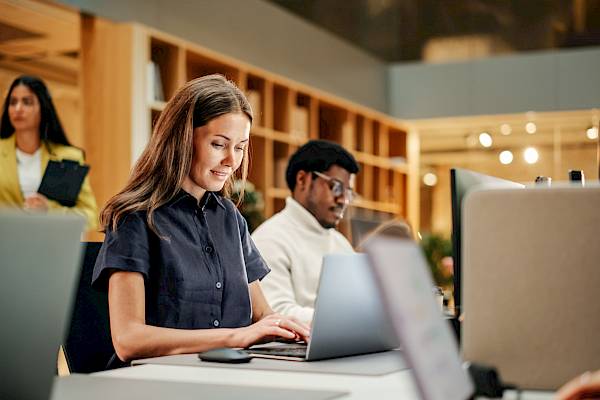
(256, 268)
(125, 249)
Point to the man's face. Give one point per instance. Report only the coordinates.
(323, 201)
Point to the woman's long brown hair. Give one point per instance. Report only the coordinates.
(167, 159)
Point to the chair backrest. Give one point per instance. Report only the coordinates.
(89, 345)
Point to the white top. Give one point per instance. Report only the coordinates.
(293, 244)
(29, 168)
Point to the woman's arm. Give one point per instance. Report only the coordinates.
(260, 306)
(133, 339)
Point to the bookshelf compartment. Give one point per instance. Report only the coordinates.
(162, 82)
(302, 116)
(198, 65)
(397, 145)
(365, 176)
(359, 142)
(331, 123)
(257, 173)
(256, 95)
(379, 184)
(281, 155)
(281, 108)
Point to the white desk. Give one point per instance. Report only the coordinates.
(397, 385)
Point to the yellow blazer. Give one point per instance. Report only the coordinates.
(10, 190)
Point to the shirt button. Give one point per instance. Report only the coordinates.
(219, 285)
(208, 249)
(216, 323)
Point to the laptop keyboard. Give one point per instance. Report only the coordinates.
(288, 350)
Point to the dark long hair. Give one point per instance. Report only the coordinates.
(167, 159)
(51, 130)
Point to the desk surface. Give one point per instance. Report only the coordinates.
(397, 385)
(362, 365)
(76, 387)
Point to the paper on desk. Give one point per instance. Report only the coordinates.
(428, 345)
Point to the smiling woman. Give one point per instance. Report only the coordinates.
(181, 270)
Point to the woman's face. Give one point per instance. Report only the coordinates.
(24, 109)
(219, 148)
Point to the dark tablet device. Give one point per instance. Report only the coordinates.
(225, 356)
(62, 181)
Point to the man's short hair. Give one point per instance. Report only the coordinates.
(319, 156)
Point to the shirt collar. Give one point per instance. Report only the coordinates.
(208, 199)
(303, 216)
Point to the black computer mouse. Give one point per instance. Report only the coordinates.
(225, 355)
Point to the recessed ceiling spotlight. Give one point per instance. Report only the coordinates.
(506, 157)
(531, 155)
(485, 139)
(430, 179)
(530, 127)
(505, 129)
(592, 133)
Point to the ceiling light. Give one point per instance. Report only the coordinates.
(530, 127)
(592, 133)
(506, 157)
(531, 155)
(485, 139)
(505, 129)
(430, 179)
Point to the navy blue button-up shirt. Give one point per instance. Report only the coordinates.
(196, 276)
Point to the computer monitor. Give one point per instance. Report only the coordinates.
(361, 227)
(461, 182)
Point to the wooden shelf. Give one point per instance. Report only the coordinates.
(157, 105)
(278, 193)
(377, 206)
(286, 115)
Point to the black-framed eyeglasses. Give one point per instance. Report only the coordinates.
(337, 187)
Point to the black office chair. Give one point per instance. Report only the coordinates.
(89, 345)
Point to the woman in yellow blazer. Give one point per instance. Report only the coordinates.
(30, 135)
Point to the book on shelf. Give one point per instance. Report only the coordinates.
(300, 122)
(154, 83)
(254, 99)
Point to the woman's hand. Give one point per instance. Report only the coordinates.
(36, 202)
(585, 386)
(271, 327)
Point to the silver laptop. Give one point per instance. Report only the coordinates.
(39, 261)
(349, 318)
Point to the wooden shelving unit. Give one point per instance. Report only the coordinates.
(287, 114)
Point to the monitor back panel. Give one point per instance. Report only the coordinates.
(39, 258)
(531, 283)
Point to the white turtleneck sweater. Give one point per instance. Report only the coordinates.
(293, 244)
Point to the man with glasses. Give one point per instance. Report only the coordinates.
(320, 176)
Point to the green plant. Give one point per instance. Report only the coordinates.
(438, 251)
(252, 205)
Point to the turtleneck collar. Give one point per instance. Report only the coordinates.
(303, 216)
